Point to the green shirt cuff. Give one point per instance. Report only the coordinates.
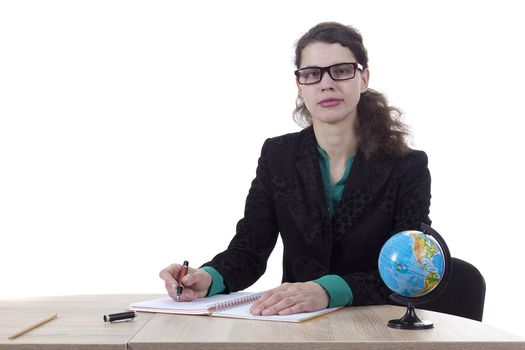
(338, 290)
(217, 282)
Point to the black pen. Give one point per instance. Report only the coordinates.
(182, 273)
(121, 316)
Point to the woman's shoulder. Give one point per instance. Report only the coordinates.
(289, 138)
(410, 156)
(290, 143)
(289, 146)
(412, 160)
(415, 156)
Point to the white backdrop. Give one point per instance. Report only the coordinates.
(130, 131)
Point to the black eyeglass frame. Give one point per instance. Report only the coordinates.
(327, 70)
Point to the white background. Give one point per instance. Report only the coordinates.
(130, 131)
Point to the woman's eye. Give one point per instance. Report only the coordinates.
(342, 72)
(312, 74)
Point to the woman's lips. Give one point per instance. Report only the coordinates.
(330, 102)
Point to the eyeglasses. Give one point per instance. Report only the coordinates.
(340, 71)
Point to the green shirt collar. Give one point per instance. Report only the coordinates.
(333, 192)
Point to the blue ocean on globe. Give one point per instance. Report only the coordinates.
(411, 263)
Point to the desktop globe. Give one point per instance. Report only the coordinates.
(415, 266)
(411, 263)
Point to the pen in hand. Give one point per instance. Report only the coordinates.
(182, 273)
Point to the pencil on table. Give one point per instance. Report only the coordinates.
(33, 326)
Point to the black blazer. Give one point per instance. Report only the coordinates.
(381, 197)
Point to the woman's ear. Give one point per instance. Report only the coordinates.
(365, 76)
(299, 92)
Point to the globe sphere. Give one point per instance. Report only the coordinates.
(411, 263)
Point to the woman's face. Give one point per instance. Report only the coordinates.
(330, 101)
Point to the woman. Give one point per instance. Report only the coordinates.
(336, 191)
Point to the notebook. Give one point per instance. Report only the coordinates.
(234, 305)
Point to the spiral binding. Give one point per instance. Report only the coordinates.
(230, 304)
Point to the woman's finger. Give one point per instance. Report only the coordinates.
(294, 309)
(282, 304)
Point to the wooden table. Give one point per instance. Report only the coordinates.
(80, 326)
(79, 323)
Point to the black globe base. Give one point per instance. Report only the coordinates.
(410, 321)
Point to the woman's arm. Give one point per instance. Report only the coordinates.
(244, 261)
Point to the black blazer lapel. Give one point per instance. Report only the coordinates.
(365, 180)
(313, 220)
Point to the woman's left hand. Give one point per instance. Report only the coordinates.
(291, 298)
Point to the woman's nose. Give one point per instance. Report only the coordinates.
(326, 82)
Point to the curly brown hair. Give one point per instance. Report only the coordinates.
(379, 127)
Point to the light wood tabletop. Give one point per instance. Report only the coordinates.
(79, 322)
(80, 325)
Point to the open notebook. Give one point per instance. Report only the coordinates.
(236, 305)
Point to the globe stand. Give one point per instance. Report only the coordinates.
(410, 320)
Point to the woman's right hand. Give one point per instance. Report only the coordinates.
(196, 283)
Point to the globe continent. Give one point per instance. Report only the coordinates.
(411, 263)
